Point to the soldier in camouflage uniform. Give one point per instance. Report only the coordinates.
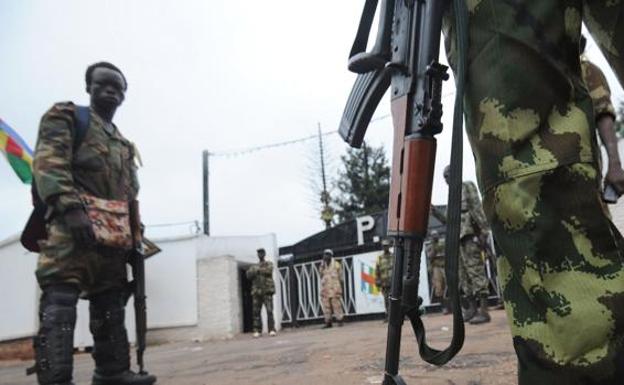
(262, 290)
(604, 115)
(383, 272)
(70, 264)
(529, 119)
(472, 277)
(331, 288)
(435, 257)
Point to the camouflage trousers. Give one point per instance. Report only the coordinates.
(331, 306)
(529, 118)
(472, 278)
(385, 291)
(438, 281)
(258, 301)
(94, 270)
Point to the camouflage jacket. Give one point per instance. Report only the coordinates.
(473, 220)
(435, 253)
(598, 88)
(331, 279)
(383, 270)
(261, 276)
(103, 164)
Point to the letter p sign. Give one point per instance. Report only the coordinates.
(364, 223)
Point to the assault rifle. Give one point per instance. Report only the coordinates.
(405, 58)
(137, 286)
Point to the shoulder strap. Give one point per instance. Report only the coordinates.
(82, 119)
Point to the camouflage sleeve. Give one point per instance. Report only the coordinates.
(377, 269)
(474, 205)
(53, 155)
(598, 88)
(251, 272)
(134, 178)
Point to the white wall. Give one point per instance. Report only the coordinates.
(20, 295)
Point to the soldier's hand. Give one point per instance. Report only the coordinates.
(79, 225)
(615, 177)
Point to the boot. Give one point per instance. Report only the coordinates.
(446, 307)
(482, 315)
(111, 350)
(472, 309)
(327, 325)
(54, 343)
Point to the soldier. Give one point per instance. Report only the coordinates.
(604, 115)
(435, 256)
(530, 122)
(383, 272)
(71, 263)
(262, 290)
(472, 277)
(331, 289)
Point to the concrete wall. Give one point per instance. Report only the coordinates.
(192, 286)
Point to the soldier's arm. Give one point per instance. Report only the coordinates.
(475, 207)
(53, 155)
(134, 179)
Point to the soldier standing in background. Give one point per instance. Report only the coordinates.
(383, 272)
(604, 115)
(100, 165)
(435, 256)
(262, 290)
(331, 288)
(472, 277)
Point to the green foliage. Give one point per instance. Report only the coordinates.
(363, 182)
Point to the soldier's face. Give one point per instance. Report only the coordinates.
(107, 88)
(447, 175)
(327, 258)
(261, 255)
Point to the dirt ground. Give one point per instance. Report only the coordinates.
(353, 354)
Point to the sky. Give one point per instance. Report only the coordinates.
(212, 75)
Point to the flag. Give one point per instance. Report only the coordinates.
(367, 280)
(17, 152)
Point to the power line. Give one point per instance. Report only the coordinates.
(249, 150)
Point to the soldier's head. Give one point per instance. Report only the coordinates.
(107, 86)
(261, 254)
(328, 254)
(582, 44)
(447, 174)
(386, 245)
(434, 235)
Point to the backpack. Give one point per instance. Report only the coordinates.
(35, 229)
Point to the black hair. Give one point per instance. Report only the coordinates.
(103, 64)
(582, 43)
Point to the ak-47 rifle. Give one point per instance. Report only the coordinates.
(137, 261)
(405, 58)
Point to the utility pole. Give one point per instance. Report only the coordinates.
(205, 158)
(328, 213)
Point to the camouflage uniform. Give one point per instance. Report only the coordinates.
(529, 118)
(331, 290)
(383, 275)
(598, 88)
(262, 290)
(472, 277)
(435, 254)
(102, 166)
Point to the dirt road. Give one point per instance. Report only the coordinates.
(352, 354)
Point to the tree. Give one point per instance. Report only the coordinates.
(363, 183)
(318, 170)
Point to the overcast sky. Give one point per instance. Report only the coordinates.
(216, 75)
